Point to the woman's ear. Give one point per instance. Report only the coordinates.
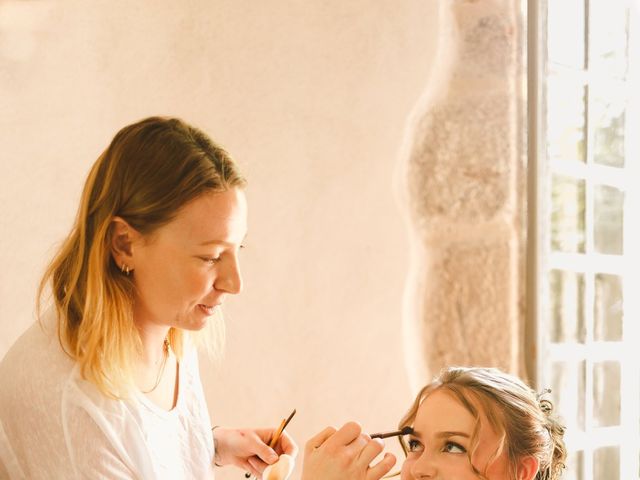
(527, 468)
(122, 237)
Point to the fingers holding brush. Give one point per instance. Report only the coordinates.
(347, 453)
(264, 452)
(344, 453)
(275, 444)
(237, 446)
(371, 450)
(381, 468)
(286, 445)
(263, 449)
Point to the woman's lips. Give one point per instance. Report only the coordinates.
(208, 309)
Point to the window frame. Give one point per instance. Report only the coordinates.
(540, 352)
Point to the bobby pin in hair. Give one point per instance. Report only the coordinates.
(405, 431)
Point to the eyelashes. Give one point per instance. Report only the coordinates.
(415, 446)
(211, 260)
(453, 447)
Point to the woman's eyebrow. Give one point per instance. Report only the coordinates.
(216, 242)
(221, 242)
(452, 434)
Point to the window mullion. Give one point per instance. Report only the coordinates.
(630, 414)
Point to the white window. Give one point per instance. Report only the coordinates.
(584, 149)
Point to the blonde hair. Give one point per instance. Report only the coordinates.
(146, 175)
(523, 419)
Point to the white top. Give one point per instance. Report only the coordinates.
(54, 424)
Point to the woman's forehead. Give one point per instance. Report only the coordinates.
(440, 411)
(211, 217)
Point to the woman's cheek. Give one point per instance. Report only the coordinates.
(202, 281)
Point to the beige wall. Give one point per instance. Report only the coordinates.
(311, 97)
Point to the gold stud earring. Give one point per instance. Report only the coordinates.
(125, 269)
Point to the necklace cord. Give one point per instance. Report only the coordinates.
(162, 367)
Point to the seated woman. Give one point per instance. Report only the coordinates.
(468, 423)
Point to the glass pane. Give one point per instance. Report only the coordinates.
(608, 308)
(607, 114)
(567, 304)
(567, 216)
(606, 463)
(608, 33)
(606, 394)
(608, 219)
(566, 99)
(568, 392)
(565, 30)
(574, 470)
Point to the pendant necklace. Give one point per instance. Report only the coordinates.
(165, 349)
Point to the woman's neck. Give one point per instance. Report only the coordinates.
(152, 335)
(153, 338)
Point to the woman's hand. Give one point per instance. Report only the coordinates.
(248, 449)
(344, 454)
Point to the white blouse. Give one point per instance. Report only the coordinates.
(54, 424)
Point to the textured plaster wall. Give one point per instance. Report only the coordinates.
(311, 98)
(460, 179)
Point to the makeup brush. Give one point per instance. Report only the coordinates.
(277, 435)
(405, 431)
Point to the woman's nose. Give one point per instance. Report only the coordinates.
(229, 279)
(424, 467)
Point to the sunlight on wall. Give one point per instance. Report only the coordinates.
(20, 23)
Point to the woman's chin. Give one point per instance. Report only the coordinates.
(199, 318)
(195, 324)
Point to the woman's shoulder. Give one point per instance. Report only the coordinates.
(39, 340)
(32, 375)
(36, 360)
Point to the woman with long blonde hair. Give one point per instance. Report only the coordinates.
(106, 384)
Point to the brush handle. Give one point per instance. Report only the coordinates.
(277, 435)
(397, 433)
